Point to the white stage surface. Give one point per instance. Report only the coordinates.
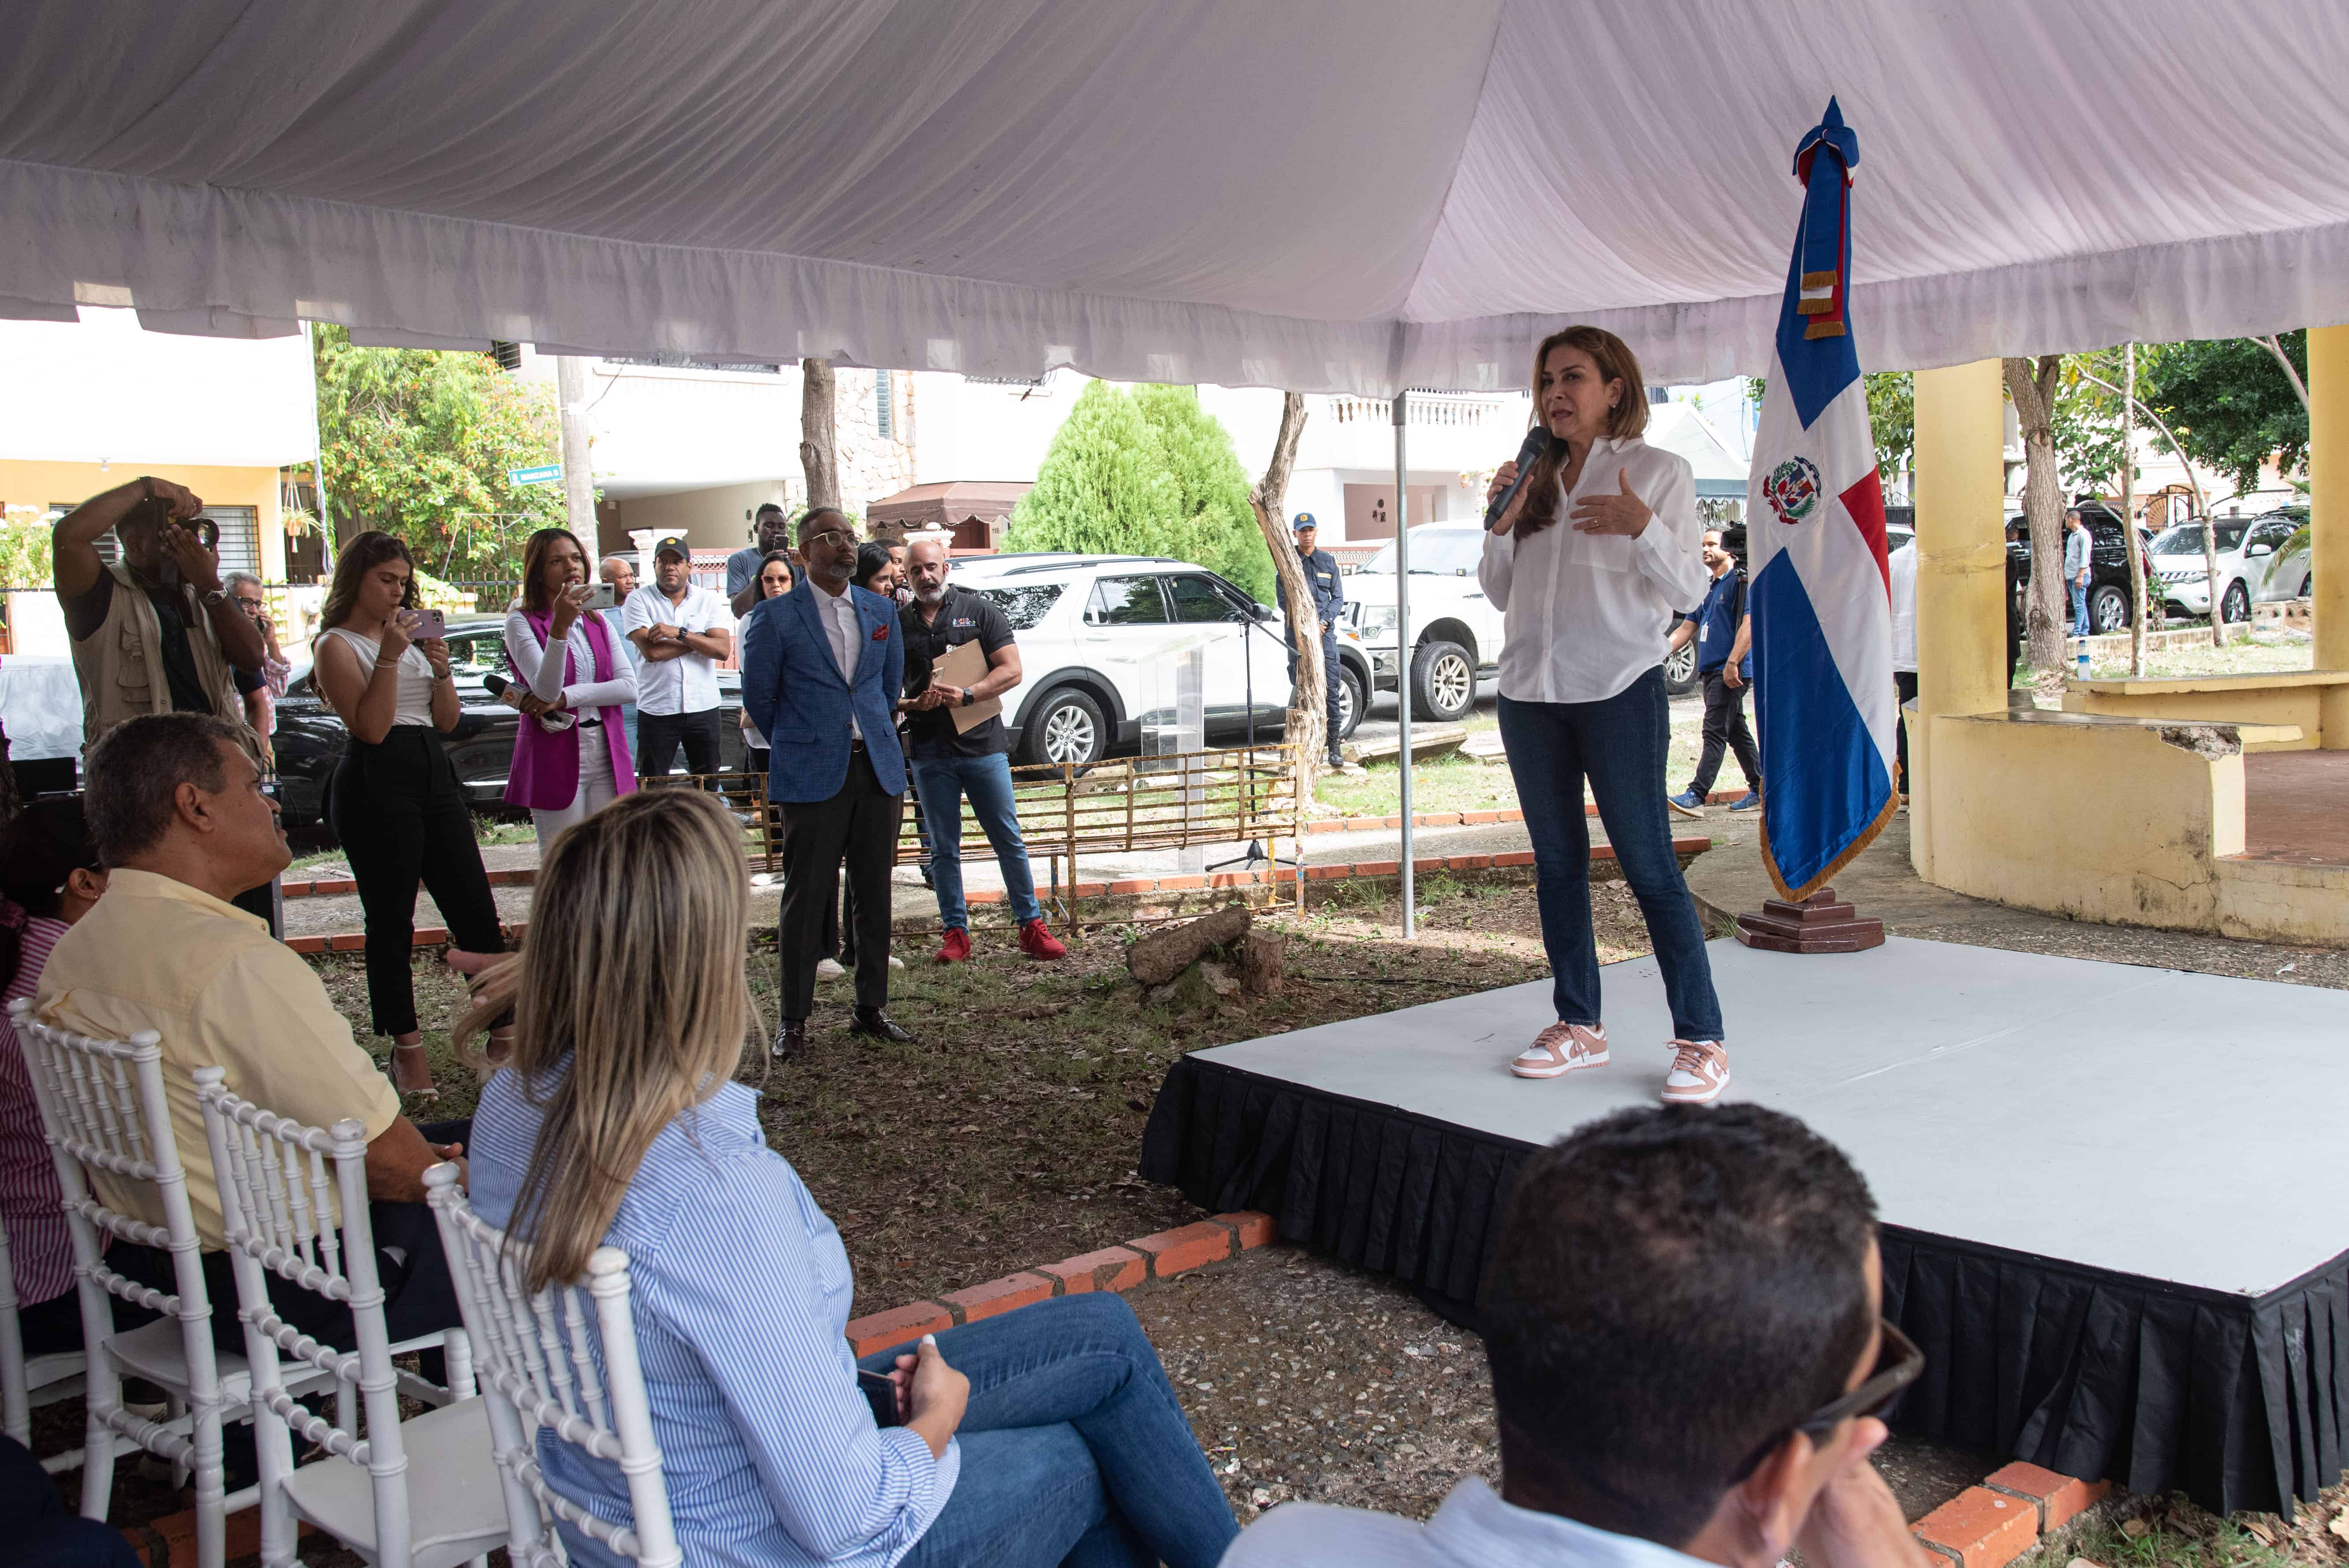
(2107, 1115)
(2112, 1196)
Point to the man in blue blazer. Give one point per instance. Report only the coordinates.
(822, 670)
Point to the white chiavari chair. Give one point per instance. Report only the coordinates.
(25, 1382)
(416, 1494)
(539, 1371)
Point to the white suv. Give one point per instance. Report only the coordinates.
(1455, 631)
(1096, 633)
(2253, 565)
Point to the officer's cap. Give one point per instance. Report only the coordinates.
(1304, 521)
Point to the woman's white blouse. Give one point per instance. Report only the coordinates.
(544, 676)
(1584, 615)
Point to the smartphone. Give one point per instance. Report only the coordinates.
(429, 624)
(882, 1395)
(605, 597)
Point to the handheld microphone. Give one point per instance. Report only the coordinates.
(1536, 442)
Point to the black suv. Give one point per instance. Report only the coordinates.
(2108, 571)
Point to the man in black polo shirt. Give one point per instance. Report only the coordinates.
(948, 764)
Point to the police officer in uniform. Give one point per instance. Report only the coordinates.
(1328, 599)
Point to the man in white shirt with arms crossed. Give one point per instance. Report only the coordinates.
(684, 634)
(1648, 1264)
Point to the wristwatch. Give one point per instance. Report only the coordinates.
(967, 698)
(216, 598)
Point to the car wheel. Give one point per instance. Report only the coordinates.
(1067, 727)
(2108, 609)
(1443, 681)
(1680, 670)
(1352, 701)
(2236, 604)
(2307, 586)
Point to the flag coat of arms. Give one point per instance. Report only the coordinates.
(1821, 597)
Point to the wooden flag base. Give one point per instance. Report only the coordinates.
(1817, 924)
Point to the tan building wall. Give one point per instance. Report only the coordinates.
(714, 519)
(32, 483)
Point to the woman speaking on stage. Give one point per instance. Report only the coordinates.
(1588, 563)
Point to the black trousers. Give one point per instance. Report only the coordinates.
(402, 818)
(1329, 684)
(858, 826)
(418, 1295)
(658, 735)
(1724, 729)
(1905, 683)
(42, 1532)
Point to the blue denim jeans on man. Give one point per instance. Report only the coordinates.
(2080, 610)
(1618, 744)
(941, 783)
(1073, 1449)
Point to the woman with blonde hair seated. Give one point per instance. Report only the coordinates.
(1046, 1435)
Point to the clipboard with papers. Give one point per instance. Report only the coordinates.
(964, 665)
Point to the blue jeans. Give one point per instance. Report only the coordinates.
(2080, 610)
(941, 783)
(1619, 745)
(1073, 1450)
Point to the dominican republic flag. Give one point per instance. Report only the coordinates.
(1814, 547)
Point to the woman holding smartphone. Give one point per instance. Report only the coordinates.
(1587, 564)
(395, 802)
(571, 753)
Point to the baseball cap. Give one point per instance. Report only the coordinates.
(674, 544)
(1303, 521)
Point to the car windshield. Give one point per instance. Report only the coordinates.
(1026, 605)
(2185, 539)
(1443, 551)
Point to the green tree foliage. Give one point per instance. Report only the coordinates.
(2229, 403)
(1145, 474)
(1215, 522)
(2089, 442)
(1891, 416)
(419, 442)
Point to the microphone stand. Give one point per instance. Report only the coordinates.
(1247, 677)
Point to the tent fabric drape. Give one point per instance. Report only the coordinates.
(1337, 195)
(2236, 1400)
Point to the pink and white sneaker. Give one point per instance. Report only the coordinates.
(1562, 1048)
(1700, 1072)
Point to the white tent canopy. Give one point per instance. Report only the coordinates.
(1339, 195)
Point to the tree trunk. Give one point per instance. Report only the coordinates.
(2274, 346)
(2033, 387)
(578, 467)
(818, 447)
(1308, 703)
(2128, 512)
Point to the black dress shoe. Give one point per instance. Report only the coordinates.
(872, 1021)
(788, 1039)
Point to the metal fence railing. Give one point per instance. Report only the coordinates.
(1067, 813)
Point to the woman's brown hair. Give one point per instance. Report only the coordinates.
(541, 545)
(1628, 417)
(359, 557)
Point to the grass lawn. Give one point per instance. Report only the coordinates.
(1458, 783)
(2268, 649)
(486, 830)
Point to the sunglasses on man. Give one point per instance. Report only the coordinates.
(1898, 1363)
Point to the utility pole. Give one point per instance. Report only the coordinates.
(578, 472)
(2128, 510)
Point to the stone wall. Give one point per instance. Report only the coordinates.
(871, 467)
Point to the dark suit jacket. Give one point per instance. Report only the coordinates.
(793, 691)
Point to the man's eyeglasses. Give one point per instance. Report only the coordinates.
(1898, 1363)
(838, 538)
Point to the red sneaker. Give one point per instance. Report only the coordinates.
(1036, 941)
(956, 948)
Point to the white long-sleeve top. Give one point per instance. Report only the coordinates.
(1584, 615)
(544, 676)
(1902, 569)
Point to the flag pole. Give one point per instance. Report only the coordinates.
(1402, 661)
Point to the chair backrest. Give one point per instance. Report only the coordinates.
(16, 1399)
(279, 1181)
(538, 1369)
(102, 1108)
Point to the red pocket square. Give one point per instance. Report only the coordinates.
(881, 634)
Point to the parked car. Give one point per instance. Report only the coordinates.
(310, 736)
(1455, 631)
(1095, 635)
(2108, 571)
(2254, 567)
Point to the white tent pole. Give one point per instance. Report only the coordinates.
(1402, 662)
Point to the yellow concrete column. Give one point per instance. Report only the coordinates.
(1961, 484)
(2328, 483)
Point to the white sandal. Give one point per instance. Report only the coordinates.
(1562, 1048)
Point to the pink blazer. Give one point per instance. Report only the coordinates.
(545, 771)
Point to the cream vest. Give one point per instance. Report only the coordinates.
(121, 677)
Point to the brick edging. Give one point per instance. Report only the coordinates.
(1118, 1268)
(1992, 1524)
(438, 936)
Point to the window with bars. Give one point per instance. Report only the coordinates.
(885, 406)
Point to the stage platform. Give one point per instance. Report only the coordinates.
(2112, 1196)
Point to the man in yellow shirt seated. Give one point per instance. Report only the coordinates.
(177, 814)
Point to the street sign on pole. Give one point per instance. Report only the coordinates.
(545, 474)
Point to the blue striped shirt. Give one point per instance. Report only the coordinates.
(740, 1291)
